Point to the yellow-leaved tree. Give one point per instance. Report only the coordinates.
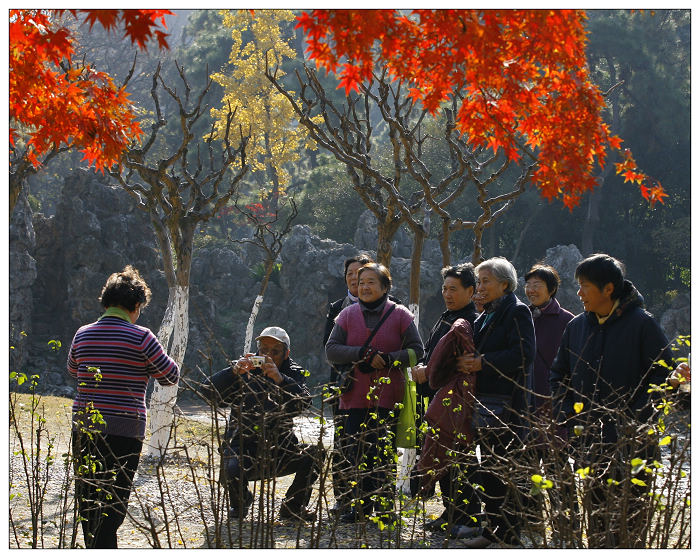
(276, 139)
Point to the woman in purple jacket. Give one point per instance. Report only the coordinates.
(541, 285)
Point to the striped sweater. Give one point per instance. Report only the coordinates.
(113, 360)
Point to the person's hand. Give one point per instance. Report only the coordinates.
(269, 369)
(470, 362)
(243, 365)
(418, 374)
(680, 375)
(378, 361)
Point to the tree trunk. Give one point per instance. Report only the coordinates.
(416, 255)
(445, 243)
(250, 328)
(384, 248)
(173, 333)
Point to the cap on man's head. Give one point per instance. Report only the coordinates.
(276, 333)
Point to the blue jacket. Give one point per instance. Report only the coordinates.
(609, 364)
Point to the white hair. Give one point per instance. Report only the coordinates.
(502, 270)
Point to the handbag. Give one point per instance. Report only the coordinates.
(406, 426)
(344, 376)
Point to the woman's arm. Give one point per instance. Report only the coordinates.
(337, 352)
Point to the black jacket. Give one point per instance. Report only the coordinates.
(504, 336)
(610, 364)
(334, 308)
(441, 327)
(261, 411)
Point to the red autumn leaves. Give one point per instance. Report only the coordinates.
(522, 73)
(54, 104)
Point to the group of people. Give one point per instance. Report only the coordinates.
(496, 374)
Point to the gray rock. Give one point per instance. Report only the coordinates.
(23, 273)
(675, 321)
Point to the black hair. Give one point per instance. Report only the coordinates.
(601, 269)
(381, 271)
(464, 272)
(127, 289)
(548, 274)
(362, 259)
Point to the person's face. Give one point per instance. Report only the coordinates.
(595, 299)
(351, 277)
(488, 287)
(455, 295)
(369, 286)
(536, 291)
(276, 350)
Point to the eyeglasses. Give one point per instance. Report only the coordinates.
(271, 351)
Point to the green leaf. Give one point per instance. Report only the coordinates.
(637, 465)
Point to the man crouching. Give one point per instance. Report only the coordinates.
(265, 392)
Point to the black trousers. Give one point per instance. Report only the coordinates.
(369, 447)
(617, 515)
(462, 504)
(499, 496)
(104, 467)
(240, 464)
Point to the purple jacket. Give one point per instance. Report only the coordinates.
(550, 323)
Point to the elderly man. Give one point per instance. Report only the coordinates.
(265, 392)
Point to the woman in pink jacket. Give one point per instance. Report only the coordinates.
(375, 336)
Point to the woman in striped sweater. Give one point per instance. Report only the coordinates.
(113, 360)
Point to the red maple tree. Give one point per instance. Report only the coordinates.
(522, 75)
(55, 105)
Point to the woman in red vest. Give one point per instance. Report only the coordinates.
(375, 336)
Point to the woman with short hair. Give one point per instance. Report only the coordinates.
(504, 337)
(541, 285)
(113, 359)
(377, 385)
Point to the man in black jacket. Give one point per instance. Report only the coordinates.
(600, 380)
(265, 392)
(458, 284)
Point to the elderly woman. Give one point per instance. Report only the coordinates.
(340, 484)
(113, 360)
(375, 335)
(541, 285)
(504, 337)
